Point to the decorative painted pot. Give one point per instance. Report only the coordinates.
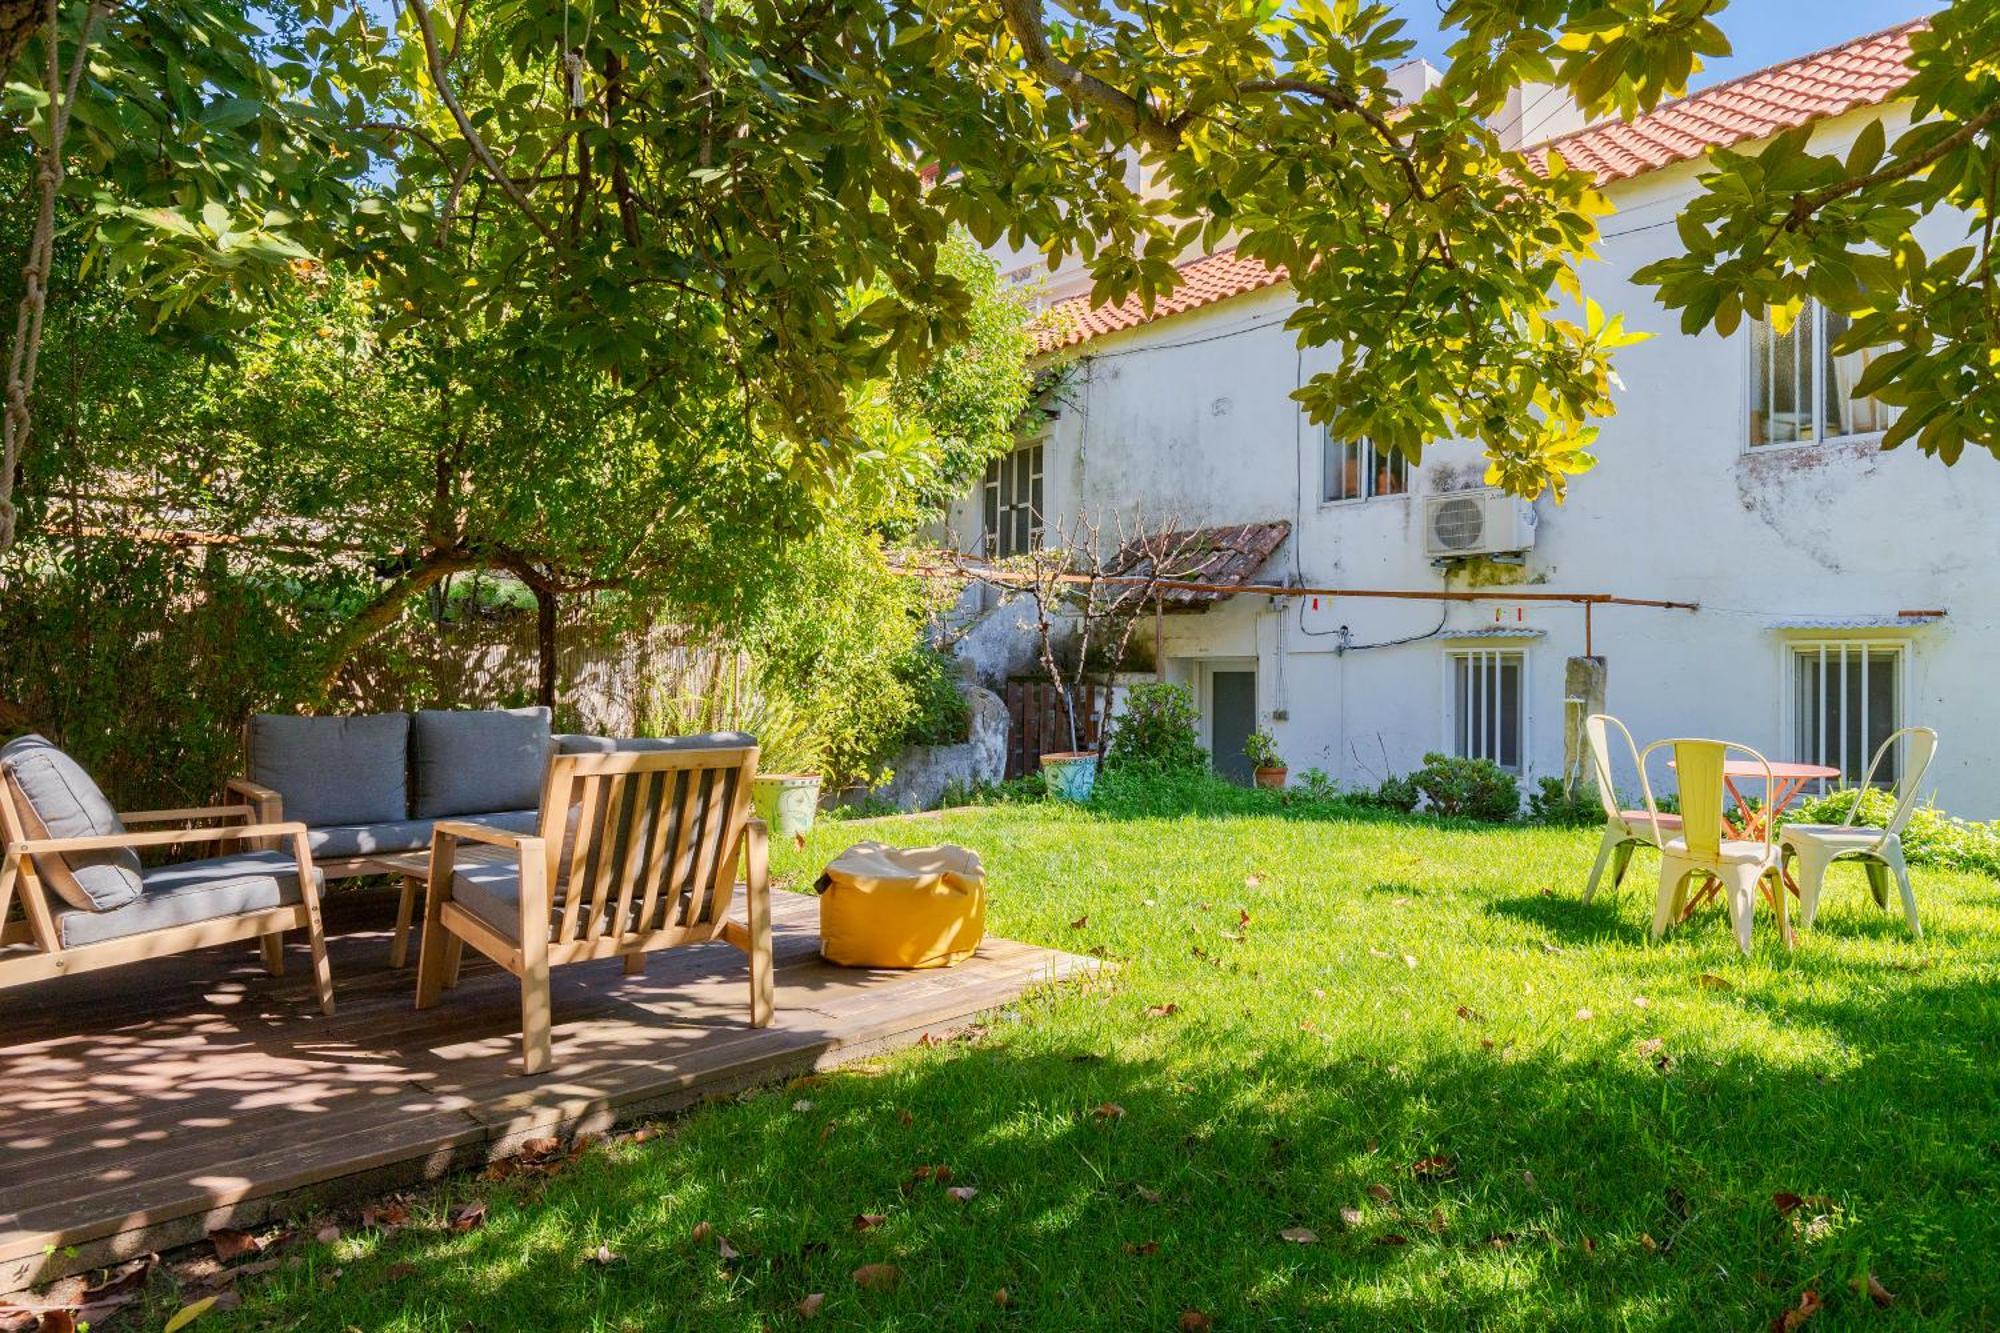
(1272, 779)
(786, 802)
(1069, 775)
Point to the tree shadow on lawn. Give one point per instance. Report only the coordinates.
(1522, 1186)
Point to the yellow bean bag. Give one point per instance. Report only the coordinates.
(883, 906)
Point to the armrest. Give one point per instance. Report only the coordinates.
(469, 832)
(156, 838)
(254, 793)
(192, 812)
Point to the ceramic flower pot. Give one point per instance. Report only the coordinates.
(1070, 775)
(1272, 779)
(786, 802)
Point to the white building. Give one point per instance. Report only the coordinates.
(1736, 475)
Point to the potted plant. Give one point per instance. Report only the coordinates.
(1262, 752)
(1069, 775)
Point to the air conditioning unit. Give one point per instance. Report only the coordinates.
(1459, 524)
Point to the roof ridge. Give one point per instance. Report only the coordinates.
(1775, 67)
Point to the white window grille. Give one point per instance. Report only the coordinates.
(1486, 705)
(1357, 470)
(1847, 698)
(1012, 495)
(1800, 391)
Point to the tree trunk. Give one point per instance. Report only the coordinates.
(546, 605)
(381, 613)
(18, 19)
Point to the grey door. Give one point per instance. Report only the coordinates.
(1232, 716)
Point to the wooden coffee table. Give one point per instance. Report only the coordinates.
(414, 870)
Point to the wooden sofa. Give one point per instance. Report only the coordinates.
(75, 897)
(635, 850)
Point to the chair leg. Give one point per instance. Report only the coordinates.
(536, 1052)
(1811, 878)
(433, 953)
(322, 970)
(454, 961)
(635, 963)
(1892, 857)
(757, 902)
(1878, 882)
(273, 947)
(1666, 904)
(1739, 888)
(1606, 846)
(406, 907)
(1621, 861)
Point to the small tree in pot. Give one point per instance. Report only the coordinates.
(1262, 752)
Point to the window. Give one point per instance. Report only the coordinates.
(1356, 471)
(1846, 700)
(1487, 706)
(1801, 391)
(1012, 494)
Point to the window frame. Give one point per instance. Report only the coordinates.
(990, 486)
(1818, 356)
(1448, 709)
(1794, 648)
(1326, 446)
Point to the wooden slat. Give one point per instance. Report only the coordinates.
(573, 875)
(708, 849)
(675, 908)
(665, 831)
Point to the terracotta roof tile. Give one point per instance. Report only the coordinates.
(1865, 72)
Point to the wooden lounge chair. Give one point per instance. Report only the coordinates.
(636, 851)
(63, 839)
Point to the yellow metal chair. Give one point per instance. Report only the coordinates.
(1736, 866)
(1815, 847)
(1624, 830)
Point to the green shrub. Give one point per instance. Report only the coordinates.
(1931, 838)
(1028, 789)
(939, 714)
(1261, 749)
(1315, 785)
(1396, 793)
(1548, 804)
(1467, 788)
(1157, 732)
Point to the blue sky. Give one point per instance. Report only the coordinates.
(1763, 32)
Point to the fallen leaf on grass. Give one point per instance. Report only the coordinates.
(1647, 1243)
(1108, 1111)
(809, 1307)
(1379, 1193)
(963, 1193)
(1500, 1240)
(905, 1119)
(1438, 1166)
(1162, 1010)
(1710, 981)
(388, 1216)
(878, 1277)
(471, 1217)
(1640, 1001)
(230, 1243)
(1350, 1218)
(1392, 1239)
(1551, 948)
(1144, 1247)
(869, 1221)
(604, 1258)
(1808, 1306)
(1194, 1321)
(1584, 1015)
(802, 1105)
(543, 1147)
(1409, 960)
(1881, 1295)
(725, 1249)
(61, 1321)
(1787, 1202)
(1648, 1045)
(644, 1133)
(184, 1316)
(1470, 1015)
(1300, 1235)
(1080, 922)
(702, 1231)
(1251, 881)
(327, 1235)
(1000, 1298)
(1921, 965)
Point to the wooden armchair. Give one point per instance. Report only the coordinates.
(636, 851)
(171, 915)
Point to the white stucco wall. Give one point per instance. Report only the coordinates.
(1191, 419)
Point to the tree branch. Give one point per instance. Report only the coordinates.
(1024, 20)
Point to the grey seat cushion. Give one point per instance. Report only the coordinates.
(188, 892)
(342, 841)
(334, 770)
(576, 743)
(64, 801)
(472, 762)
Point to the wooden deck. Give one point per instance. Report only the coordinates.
(142, 1106)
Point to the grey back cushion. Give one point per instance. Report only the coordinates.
(64, 801)
(334, 770)
(470, 763)
(573, 743)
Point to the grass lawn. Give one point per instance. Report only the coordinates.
(1490, 1104)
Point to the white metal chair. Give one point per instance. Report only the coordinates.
(1815, 847)
(1624, 830)
(1735, 866)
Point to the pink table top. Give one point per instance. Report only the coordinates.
(1780, 769)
